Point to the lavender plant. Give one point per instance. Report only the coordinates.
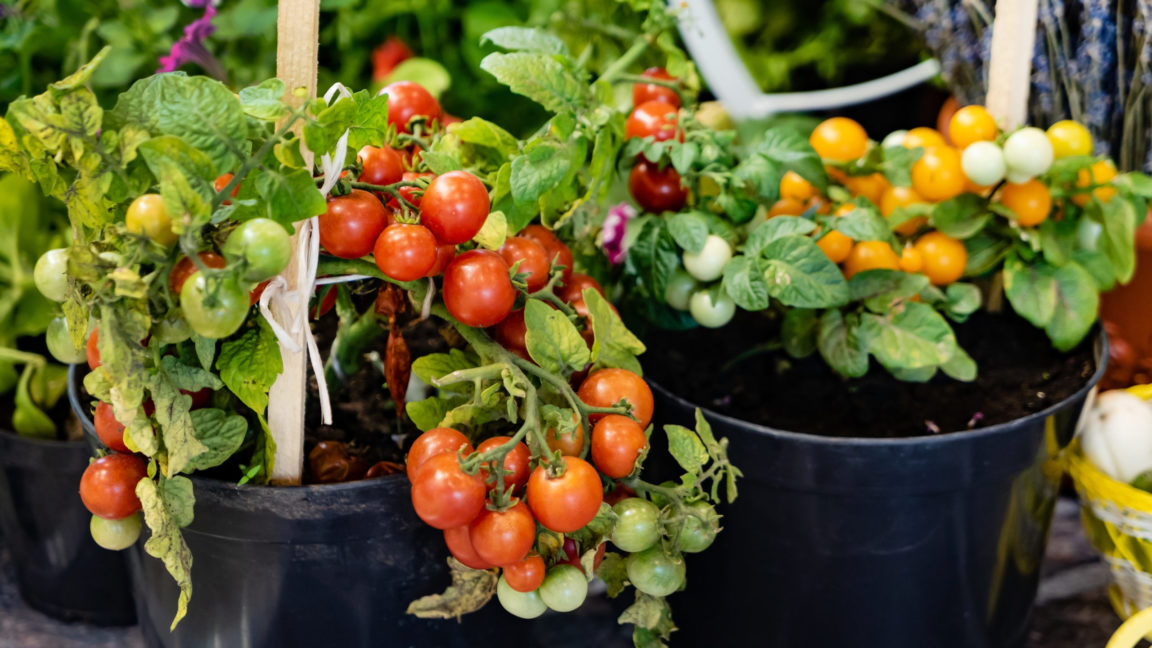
(1092, 63)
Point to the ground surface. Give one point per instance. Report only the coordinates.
(1072, 609)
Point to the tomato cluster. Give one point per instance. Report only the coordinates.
(655, 113)
(511, 520)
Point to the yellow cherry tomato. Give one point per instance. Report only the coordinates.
(895, 197)
(786, 207)
(938, 175)
(840, 139)
(794, 186)
(1069, 138)
(870, 255)
(923, 137)
(1030, 201)
(870, 186)
(971, 124)
(835, 245)
(148, 216)
(910, 259)
(943, 258)
(1100, 173)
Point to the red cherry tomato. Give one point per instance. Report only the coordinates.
(510, 331)
(387, 56)
(460, 545)
(526, 575)
(503, 537)
(323, 301)
(405, 252)
(606, 387)
(477, 289)
(92, 351)
(656, 119)
(558, 252)
(566, 503)
(200, 398)
(645, 92)
(255, 294)
(433, 442)
(656, 190)
(515, 463)
(454, 206)
(444, 256)
(617, 442)
(381, 165)
(410, 193)
(351, 225)
(573, 289)
(408, 99)
(110, 431)
(184, 268)
(221, 183)
(108, 486)
(533, 260)
(444, 496)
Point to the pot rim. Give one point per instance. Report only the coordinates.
(41, 442)
(963, 436)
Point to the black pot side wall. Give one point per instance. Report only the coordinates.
(927, 542)
(60, 570)
(315, 566)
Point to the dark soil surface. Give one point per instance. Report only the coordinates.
(1020, 374)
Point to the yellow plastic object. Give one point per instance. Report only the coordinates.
(1117, 519)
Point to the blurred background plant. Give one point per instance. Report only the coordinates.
(1092, 63)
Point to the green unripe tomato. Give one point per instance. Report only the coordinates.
(637, 526)
(708, 264)
(263, 244)
(564, 589)
(894, 139)
(173, 329)
(1027, 154)
(526, 605)
(115, 535)
(213, 316)
(983, 163)
(51, 274)
(656, 573)
(710, 313)
(60, 343)
(700, 528)
(679, 290)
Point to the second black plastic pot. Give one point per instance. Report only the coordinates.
(60, 571)
(924, 542)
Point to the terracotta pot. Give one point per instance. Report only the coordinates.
(1127, 314)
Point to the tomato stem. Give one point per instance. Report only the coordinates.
(672, 84)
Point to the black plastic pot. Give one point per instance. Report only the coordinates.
(330, 565)
(60, 571)
(925, 542)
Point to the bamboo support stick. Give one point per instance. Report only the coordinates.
(1010, 62)
(297, 38)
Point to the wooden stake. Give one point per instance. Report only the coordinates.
(1010, 62)
(297, 47)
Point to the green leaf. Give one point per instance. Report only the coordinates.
(799, 332)
(185, 176)
(1098, 266)
(434, 366)
(841, 345)
(201, 111)
(790, 151)
(912, 337)
(880, 289)
(187, 377)
(205, 350)
(481, 132)
(430, 74)
(471, 589)
(961, 217)
(614, 572)
(220, 432)
(683, 155)
(613, 346)
(963, 299)
(80, 77)
(773, 229)
(686, 447)
(1134, 183)
(654, 255)
(552, 339)
(1031, 289)
(428, 413)
(440, 163)
(960, 366)
(288, 198)
(1058, 239)
(798, 273)
(539, 77)
(984, 253)
(652, 617)
(1118, 239)
(494, 231)
(1077, 304)
(537, 171)
(897, 164)
(28, 419)
(363, 115)
(249, 364)
(689, 230)
(744, 282)
(163, 509)
(525, 39)
(264, 101)
(862, 224)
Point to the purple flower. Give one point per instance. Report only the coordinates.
(615, 227)
(190, 48)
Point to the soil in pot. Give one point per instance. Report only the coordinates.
(1020, 374)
